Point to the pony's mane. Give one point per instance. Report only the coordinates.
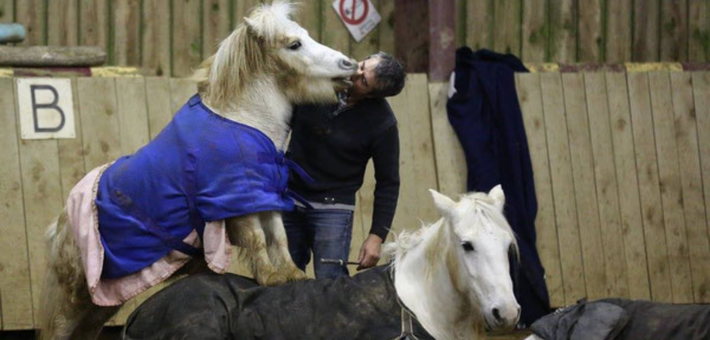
(406, 240)
(242, 56)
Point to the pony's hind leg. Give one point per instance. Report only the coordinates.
(277, 245)
(66, 310)
(90, 322)
(246, 233)
(79, 320)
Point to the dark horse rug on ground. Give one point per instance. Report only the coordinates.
(621, 319)
(211, 306)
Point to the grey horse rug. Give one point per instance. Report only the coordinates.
(621, 319)
(211, 306)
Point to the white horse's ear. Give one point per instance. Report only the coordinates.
(498, 196)
(252, 25)
(442, 202)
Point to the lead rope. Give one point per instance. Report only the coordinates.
(407, 328)
(406, 317)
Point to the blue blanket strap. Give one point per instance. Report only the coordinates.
(298, 169)
(168, 239)
(299, 198)
(280, 158)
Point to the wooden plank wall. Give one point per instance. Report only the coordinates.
(568, 31)
(172, 37)
(621, 165)
(628, 150)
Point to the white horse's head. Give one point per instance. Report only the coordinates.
(485, 245)
(270, 44)
(455, 274)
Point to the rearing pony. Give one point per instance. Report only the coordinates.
(215, 176)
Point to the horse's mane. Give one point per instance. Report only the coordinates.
(406, 240)
(242, 56)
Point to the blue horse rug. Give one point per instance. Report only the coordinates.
(202, 167)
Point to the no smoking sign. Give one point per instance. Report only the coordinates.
(359, 16)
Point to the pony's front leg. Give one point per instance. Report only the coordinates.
(277, 245)
(247, 233)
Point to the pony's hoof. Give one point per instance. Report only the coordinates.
(272, 279)
(297, 275)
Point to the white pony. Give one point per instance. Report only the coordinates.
(263, 68)
(451, 281)
(454, 275)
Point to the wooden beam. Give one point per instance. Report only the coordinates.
(442, 41)
(425, 31)
(51, 56)
(411, 21)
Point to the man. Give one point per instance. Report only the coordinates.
(333, 144)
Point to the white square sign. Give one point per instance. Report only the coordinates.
(359, 16)
(46, 108)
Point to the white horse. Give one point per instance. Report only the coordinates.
(454, 275)
(451, 281)
(265, 66)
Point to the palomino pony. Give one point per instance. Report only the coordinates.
(263, 68)
(449, 280)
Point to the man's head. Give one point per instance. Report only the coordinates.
(378, 75)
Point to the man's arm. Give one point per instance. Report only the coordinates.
(385, 158)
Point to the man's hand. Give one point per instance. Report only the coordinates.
(370, 252)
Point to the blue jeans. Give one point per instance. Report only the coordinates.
(324, 232)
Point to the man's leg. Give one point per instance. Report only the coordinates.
(333, 230)
(299, 237)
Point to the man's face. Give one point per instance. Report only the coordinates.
(364, 81)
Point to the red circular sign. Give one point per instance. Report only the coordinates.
(352, 18)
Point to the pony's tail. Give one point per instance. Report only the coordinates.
(48, 304)
(54, 293)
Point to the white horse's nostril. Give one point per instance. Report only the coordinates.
(346, 64)
(496, 314)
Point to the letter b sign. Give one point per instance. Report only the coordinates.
(46, 108)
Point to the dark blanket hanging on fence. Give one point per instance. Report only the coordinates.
(486, 116)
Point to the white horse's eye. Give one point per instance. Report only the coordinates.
(467, 246)
(294, 45)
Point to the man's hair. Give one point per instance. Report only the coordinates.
(390, 75)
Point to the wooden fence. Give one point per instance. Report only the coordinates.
(169, 37)
(608, 31)
(621, 164)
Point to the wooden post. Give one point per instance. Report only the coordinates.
(442, 40)
(411, 27)
(425, 36)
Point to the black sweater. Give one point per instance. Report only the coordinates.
(333, 146)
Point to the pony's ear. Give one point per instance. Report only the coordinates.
(442, 202)
(498, 196)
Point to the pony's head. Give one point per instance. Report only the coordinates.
(478, 260)
(269, 46)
